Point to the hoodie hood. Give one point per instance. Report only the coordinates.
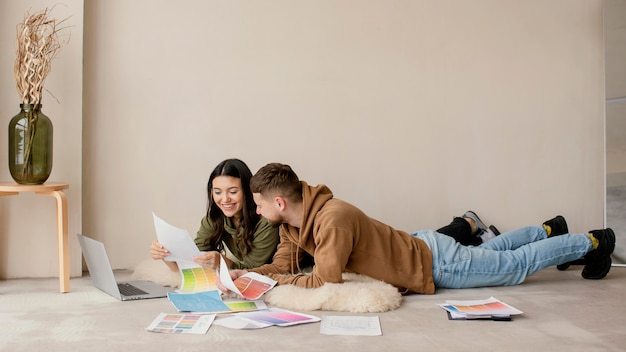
(313, 199)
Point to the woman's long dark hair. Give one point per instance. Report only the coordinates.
(249, 217)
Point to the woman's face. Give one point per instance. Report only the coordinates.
(228, 195)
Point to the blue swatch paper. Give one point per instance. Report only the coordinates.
(205, 301)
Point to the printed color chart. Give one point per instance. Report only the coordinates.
(181, 323)
(197, 279)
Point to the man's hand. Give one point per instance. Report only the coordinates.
(234, 274)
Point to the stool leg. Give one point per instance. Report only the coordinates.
(64, 259)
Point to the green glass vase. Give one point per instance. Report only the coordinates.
(30, 146)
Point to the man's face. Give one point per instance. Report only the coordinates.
(268, 209)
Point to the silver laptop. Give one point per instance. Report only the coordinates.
(102, 275)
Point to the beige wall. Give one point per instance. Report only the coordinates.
(415, 111)
(28, 239)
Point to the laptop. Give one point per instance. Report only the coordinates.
(102, 275)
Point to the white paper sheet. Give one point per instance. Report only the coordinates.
(234, 322)
(350, 325)
(177, 241)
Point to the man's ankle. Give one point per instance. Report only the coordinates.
(472, 224)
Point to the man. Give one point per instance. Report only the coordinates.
(341, 238)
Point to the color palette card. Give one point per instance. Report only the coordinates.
(195, 278)
(181, 323)
(250, 285)
(279, 317)
(265, 318)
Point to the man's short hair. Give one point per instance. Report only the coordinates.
(277, 179)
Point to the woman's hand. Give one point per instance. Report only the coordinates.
(157, 251)
(209, 260)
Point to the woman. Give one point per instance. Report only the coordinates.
(231, 226)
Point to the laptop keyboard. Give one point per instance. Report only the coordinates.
(127, 289)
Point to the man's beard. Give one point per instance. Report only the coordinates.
(276, 222)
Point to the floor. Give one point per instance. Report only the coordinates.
(562, 311)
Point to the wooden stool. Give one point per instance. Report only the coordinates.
(55, 190)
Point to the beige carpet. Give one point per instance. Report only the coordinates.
(562, 312)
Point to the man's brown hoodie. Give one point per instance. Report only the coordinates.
(341, 238)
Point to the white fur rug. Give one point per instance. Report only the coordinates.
(357, 294)
(156, 271)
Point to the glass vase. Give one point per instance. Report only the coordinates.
(30, 145)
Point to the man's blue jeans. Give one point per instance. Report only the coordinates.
(505, 260)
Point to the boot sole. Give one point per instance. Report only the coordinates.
(605, 270)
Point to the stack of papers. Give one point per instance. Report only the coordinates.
(490, 308)
(211, 302)
(198, 288)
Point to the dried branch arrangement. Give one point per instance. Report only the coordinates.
(38, 44)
